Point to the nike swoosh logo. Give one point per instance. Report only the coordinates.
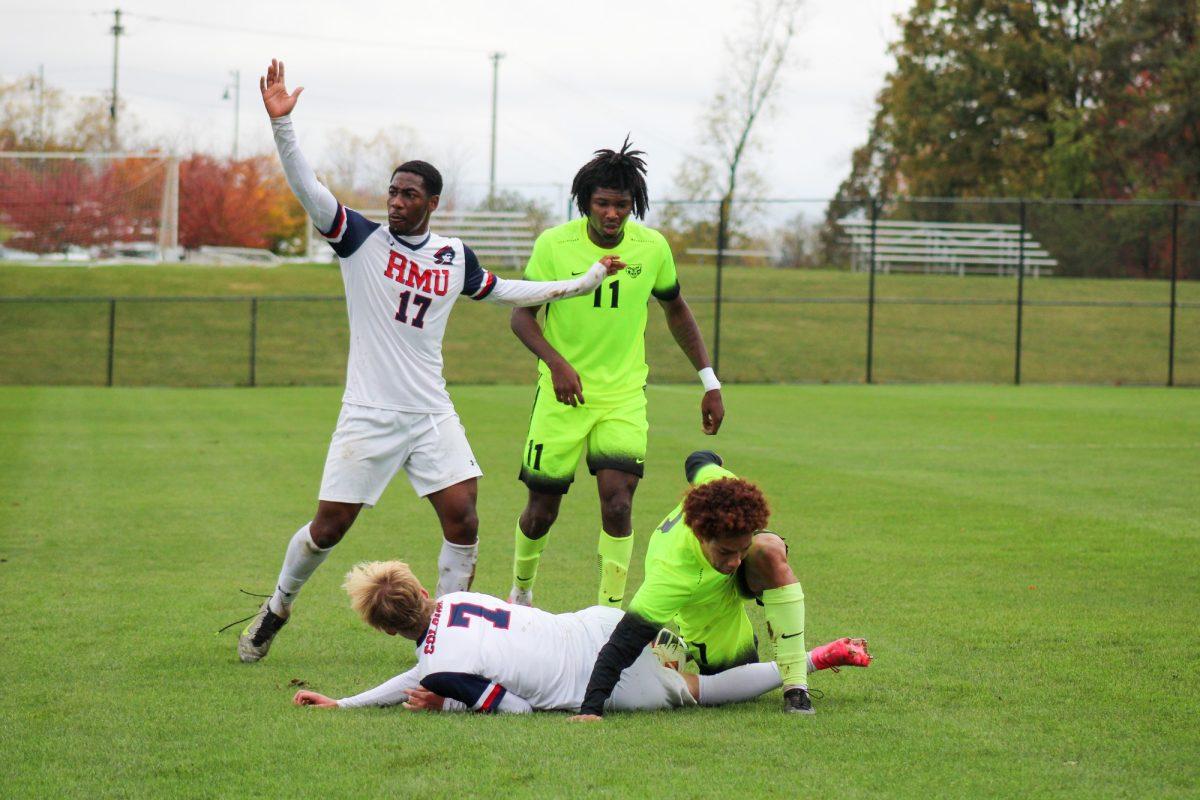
(791, 635)
(524, 579)
(639, 461)
(616, 599)
(573, 274)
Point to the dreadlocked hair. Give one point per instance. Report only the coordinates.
(623, 171)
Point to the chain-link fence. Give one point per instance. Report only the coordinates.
(914, 290)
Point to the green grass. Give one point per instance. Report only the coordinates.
(762, 339)
(1025, 562)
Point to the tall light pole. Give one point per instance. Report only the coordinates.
(495, 88)
(234, 90)
(116, 31)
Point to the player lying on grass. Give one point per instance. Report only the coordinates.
(477, 652)
(401, 282)
(705, 560)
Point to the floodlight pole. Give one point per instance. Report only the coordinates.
(116, 31)
(495, 91)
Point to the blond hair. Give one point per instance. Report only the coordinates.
(388, 596)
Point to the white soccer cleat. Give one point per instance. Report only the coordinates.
(521, 597)
(256, 639)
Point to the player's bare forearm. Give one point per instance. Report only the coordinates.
(686, 332)
(568, 386)
(524, 324)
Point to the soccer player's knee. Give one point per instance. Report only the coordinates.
(617, 507)
(771, 554)
(538, 519)
(328, 531)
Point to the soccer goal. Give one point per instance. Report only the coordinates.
(87, 207)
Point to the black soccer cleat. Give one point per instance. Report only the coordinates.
(256, 639)
(797, 701)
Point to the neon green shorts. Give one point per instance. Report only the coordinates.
(615, 435)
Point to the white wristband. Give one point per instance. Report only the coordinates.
(709, 379)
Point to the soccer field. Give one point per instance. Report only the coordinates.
(1024, 561)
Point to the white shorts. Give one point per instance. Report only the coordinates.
(645, 685)
(371, 444)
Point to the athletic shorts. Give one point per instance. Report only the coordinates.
(371, 444)
(615, 436)
(645, 685)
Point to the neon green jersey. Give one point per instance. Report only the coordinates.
(602, 335)
(680, 584)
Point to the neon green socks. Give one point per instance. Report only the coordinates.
(785, 621)
(526, 555)
(614, 554)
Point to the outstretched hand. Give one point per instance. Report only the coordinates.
(612, 264)
(275, 94)
(305, 698)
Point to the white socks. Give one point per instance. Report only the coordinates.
(456, 567)
(738, 684)
(302, 559)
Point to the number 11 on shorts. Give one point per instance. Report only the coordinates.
(533, 455)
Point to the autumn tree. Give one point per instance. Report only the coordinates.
(243, 203)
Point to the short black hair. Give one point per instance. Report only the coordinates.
(623, 171)
(426, 172)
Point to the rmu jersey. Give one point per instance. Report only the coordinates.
(478, 647)
(398, 297)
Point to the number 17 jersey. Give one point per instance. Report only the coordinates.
(602, 335)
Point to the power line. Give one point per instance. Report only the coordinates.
(311, 37)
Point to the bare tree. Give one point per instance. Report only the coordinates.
(756, 58)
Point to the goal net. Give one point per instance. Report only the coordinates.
(87, 206)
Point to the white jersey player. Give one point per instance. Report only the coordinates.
(401, 283)
(479, 653)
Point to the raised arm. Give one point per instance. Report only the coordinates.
(318, 201)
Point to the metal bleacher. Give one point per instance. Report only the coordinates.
(498, 238)
(958, 248)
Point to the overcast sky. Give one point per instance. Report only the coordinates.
(576, 76)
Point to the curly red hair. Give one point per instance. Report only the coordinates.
(725, 508)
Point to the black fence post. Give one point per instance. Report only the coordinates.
(112, 337)
(1174, 282)
(253, 338)
(871, 295)
(1020, 293)
(721, 224)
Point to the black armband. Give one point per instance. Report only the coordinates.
(697, 460)
(622, 649)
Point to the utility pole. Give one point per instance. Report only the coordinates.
(39, 131)
(116, 30)
(495, 87)
(236, 89)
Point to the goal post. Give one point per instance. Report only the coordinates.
(58, 206)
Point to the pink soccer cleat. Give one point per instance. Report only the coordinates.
(845, 652)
